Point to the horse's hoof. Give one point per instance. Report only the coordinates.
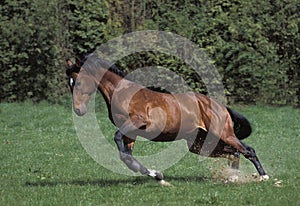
(264, 177)
(155, 174)
(159, 176)
(164, 183)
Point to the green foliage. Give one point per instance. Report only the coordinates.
(87, 21)
(254, 44)
(239, 41)
(30, 54)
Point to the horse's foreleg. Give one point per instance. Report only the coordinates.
(125, 151)
(126, 154)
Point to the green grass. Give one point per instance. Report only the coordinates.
(43, 163)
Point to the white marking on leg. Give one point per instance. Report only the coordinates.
(152, 173)
(264, 177)
(71, 82)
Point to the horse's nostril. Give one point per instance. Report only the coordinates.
(77, 111)
(80, 110)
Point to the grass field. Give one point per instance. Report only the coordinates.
(43, 163)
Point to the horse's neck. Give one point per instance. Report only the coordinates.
(108, 84)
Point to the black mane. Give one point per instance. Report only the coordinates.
(92, 63)
(95, 62)
(113, 68)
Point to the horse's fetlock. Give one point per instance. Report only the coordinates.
(248, 155)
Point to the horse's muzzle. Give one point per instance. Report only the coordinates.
(81, 110)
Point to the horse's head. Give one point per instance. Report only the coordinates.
(85, 85)
(82, 86)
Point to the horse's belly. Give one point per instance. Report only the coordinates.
(163, 136)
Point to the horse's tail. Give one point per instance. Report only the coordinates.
(242, 127)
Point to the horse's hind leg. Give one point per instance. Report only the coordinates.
(248, 153)
(233, 157)
(251, 155)
(234, 161)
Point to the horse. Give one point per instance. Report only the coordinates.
(209, 128)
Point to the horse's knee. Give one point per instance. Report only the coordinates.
(118, 136)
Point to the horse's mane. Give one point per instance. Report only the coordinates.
(92, 62)
(116, 70)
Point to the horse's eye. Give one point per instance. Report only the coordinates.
(78, 83)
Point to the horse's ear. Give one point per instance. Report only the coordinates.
(78, 62)
(69, 69)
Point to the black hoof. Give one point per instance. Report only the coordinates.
(159, 176)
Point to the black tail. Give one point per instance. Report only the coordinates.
(242, 127)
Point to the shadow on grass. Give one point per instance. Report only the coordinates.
(99, 182)
(194, 179)
(109, 183)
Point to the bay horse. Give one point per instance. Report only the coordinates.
(139, 111)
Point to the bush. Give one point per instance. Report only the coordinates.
(254, 44)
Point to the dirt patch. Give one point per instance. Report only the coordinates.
(223, 172)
